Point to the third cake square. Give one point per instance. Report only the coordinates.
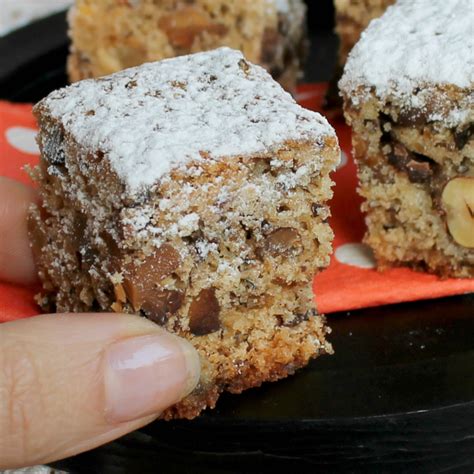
(408, 89)
(111, 35)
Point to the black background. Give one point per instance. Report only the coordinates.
(320, 14)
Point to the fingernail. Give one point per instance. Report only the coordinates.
(147, 374)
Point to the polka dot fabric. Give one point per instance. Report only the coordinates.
(17, 127)
(350, 282)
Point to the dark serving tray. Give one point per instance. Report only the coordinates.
(398, 395)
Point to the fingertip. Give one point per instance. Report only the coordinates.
(105, 374)
(147, 374)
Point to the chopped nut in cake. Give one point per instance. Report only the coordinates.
(408, 89)
(108, 36)
(193, 192)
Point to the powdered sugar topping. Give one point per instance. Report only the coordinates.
(416, 45)
(160, 116)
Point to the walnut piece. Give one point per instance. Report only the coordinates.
(418, 168)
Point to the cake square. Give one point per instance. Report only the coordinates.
(192, 191)
(408, 91)
(108, 36)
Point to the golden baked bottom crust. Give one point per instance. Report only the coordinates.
(278, 358)
(221, 245)
(111, 35)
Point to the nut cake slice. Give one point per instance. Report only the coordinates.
(408, 90)
(193, 192)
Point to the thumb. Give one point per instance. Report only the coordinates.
(69, 383)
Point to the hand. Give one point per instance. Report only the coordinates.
(69, 383)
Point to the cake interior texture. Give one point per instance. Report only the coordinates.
(410, 101)
(192, 192)
(110, 35)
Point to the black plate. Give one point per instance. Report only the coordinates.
(398, 395)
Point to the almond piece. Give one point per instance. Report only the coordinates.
(120, 295)
(458, 203)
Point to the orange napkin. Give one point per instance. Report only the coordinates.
(351, 280)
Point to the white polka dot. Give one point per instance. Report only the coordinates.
(356, 255)
(23, 139)
(343, 161)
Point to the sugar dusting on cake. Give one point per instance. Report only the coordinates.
(161, 116)
(415, 47)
